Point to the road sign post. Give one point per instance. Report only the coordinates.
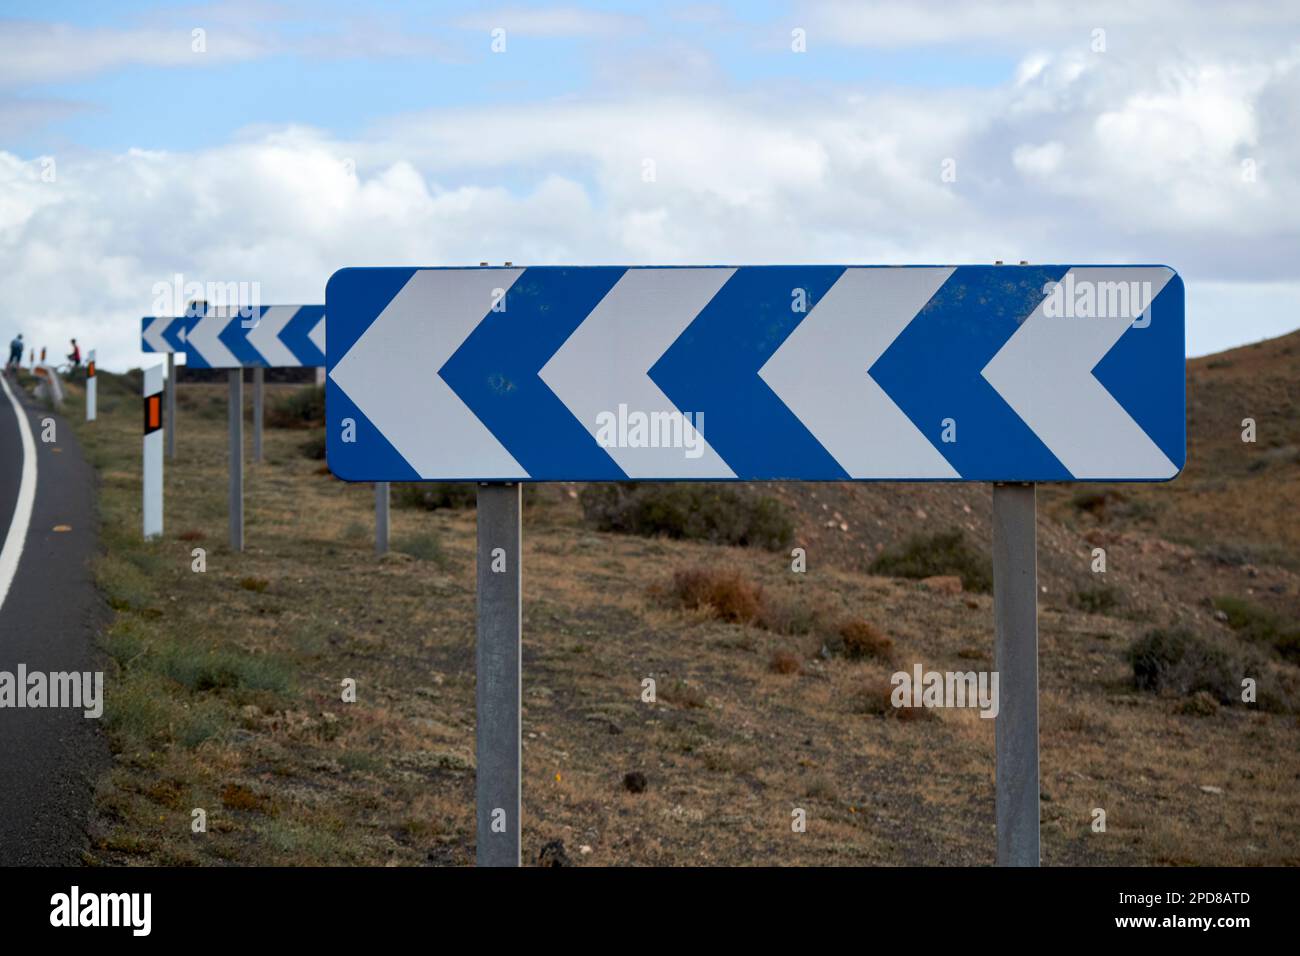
(90, 386)
(171, 406)
(1015, 658)
(257, 413)
(236, 459)
(1011, 375)
(152, 466)
(381, 517)
(497, 660)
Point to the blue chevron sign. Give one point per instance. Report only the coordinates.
(267, 336)
(756, 373)
(161, 333)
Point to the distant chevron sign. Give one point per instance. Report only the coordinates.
(160, 333)
(268, 336)
(756, 373)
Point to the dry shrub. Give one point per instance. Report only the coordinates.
(876, 700)
(928, 556)
(301, 408)
(1180, 662)
(915, 713)
(789, 617)
(688, 511)
(725, 594)
(682, 694)
(237, 797)
(862, 640)
(783, 662)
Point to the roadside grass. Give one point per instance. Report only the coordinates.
(214, 677)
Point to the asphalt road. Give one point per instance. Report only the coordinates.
(49, 757)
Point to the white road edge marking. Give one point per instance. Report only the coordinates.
(17, 536)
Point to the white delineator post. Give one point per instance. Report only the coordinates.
(90, 386)
(153, 452)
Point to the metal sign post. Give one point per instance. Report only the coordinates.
(257, 413)
(497, 658)
(237, 459)
(152, 467)
(381, 517)
(171, 406)
(1015, 658)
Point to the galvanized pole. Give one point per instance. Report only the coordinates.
(257, 413)
(381, 517)
(170, 418)
(237, 459)
(497, 659)
(1015, 658)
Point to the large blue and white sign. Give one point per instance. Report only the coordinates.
(267, 336)
(754, 373)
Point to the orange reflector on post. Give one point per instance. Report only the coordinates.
(90, 369)
(152, 413)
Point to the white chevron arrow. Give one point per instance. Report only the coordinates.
(820, 372)
(265, 336)
(604, 364)
(203, 341)
(317, 335)
(391, 374)
(1044, 372)
(153, 334)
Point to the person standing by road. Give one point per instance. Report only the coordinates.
(15, 353)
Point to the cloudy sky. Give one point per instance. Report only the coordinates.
(273, 143)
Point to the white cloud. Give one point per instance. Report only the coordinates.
(552, 21)
(1078, 158)
(1038, 160)
(33, 53)
(1013, 24)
